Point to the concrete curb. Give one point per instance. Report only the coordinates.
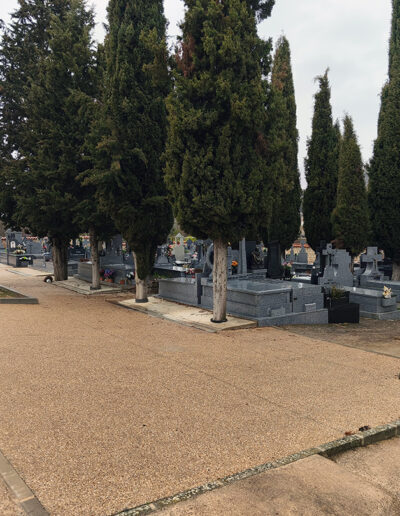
(20, 491)
(327, 450)
(22, 300)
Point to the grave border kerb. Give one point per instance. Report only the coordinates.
(23, 300)
(327, 450)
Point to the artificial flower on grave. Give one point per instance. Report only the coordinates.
(109, 274)
(387, 292)
(234, 266)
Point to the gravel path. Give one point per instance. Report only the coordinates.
(102, 408)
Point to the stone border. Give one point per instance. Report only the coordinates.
(20, 491)
(327, 450)
(21, 300)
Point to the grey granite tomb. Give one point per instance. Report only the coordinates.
(372, 303)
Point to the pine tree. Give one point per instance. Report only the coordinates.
(58, 105)
(216, 167)
(321, 167)
(283, 148)
(384, 170)
(350, 218)
(129, 172)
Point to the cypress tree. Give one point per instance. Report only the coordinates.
(58, 104)
(321, 167)
(216, 168)
(23, 42)
(283, 147)
(384, 170)
(350, 217)
(91, 215)
(128, 173)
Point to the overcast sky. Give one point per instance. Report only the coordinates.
(348, 36)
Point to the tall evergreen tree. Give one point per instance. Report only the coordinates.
(350, 218)
(23, 43)
(321, 167)
(216, 166)
(90, 214)
(58, 107)
(283, 149)
(128, 173)
(384, 170)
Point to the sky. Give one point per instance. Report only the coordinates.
(350, 37)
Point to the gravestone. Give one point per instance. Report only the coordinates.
(242, 267)
(337, 270)
(180, 239)
(257, 258)
(162, 255)
(371, 259)
(14, 240)
(373, 305)
(274, 260)
(179, 252)
(291, 257)
(318, 267)
(112, 255)
(34, 247)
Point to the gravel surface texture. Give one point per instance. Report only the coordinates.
(103, 408)
(8, 507)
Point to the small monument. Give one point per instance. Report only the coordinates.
(337, 270)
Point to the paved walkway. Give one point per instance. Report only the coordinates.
(103, 408)
(364, 482)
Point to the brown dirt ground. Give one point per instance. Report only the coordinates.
(369, 335)
(103, 408)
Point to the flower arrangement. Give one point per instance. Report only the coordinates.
(109, 274)
(20, 250)
(235, 265)
(387, 292)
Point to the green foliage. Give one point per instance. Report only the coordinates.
(58, 107)
(283, 149)
(90, 214)
(216, 170)
(321, 167)
(23, 43)
(384, 170)
(131, 130)
(350, 217)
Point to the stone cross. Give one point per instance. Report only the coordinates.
(371, 258)
(337, 270)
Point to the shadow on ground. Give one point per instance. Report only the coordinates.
(370, 335)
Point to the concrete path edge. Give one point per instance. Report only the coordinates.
(23, 300)
(326, 450)
(19, 490)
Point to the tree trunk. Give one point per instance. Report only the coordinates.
(396, 272)
(220, 277)
(60, 260)
(141, 285)
(94, 254)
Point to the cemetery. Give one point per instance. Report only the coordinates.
(304, 298)
(209, 296)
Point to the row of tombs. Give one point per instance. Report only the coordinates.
(256, 289)
(326, 291)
